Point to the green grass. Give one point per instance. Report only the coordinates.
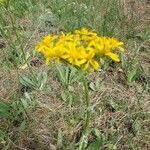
(41, 107)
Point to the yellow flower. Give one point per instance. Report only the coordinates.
(90, 61)
(47, 42)
(107, 46)
(75, 55)
(83, 48)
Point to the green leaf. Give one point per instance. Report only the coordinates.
(111, 146)
(66, 73)
(95, 86)
(83, 142)
(42, 79)
(92, 86)
(5, 114)
(112, 105)
(24, 80)
(96, 145)
(63, 96)
(61, 74)
(5, 110)
(136, 127)
(75, 75)
(27, 96)
(4, 106)
(132, 75)
(97, 133)
(24, 103)
(59, 139)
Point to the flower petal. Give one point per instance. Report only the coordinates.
(80, 62)
(121, 49)
(95, 64)
(86, 66)
(113, 56)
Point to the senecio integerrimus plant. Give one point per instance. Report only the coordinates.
(82, 49)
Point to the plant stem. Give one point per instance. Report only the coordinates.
(84, 138)
(87, 99)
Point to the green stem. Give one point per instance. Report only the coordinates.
(84, 137)
(87, 100)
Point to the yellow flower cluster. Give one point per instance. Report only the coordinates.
(82, 48)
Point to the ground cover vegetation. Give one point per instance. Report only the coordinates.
(96, 99)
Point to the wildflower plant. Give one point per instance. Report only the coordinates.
(83, 49)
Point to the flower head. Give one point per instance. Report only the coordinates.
(82, 48)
